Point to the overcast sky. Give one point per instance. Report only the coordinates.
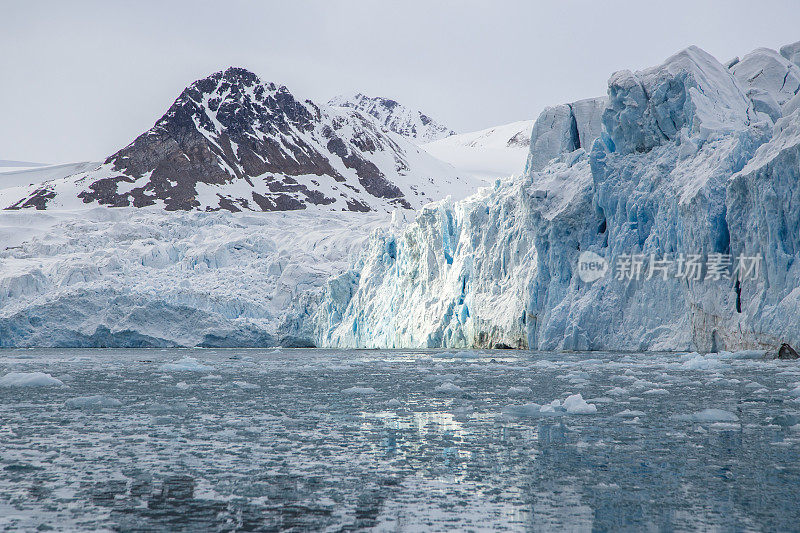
(82, 79)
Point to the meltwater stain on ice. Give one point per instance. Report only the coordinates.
(258, 440)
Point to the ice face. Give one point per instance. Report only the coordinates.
(770, 80)
(562, 129)
(691, 160)
(792, 52)
(136, 278)
(691, 89)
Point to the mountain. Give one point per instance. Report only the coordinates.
(486, 154)
(691, 157)
(232, 142)
(395, 117)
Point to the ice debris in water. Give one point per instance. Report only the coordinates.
(695, 361)
(92, 402)
(709, 415)
(29, 379)
(519, 391)
(246, 385)
(448, 387)
(628, 413)
(353, 391)
(574, 405)
(186, 364)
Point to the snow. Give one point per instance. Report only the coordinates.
(395, 117)
(487, 154)
(185, 364)
(29, 379)
(22, 176)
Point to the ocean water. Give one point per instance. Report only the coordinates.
(273, 440)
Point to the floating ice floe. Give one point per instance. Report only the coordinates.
(29, 379)
(353, 391)
(92, 402)
(448, 387)
(695, 361)
(519, 391)
(709, 415)
(186, 364)
(574, 404)
(629, 413)
(246, 385)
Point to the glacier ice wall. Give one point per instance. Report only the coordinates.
(127, 277)
(692, 157)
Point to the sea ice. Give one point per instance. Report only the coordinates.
(29, 379)
(92, 402)
(448, 387)
(185, 364)
(709, 415)
(354, 391)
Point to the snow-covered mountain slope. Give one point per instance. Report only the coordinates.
(395, 117)
(486, 154)
(8, 165)
(138, 277)
(23, 176)
(233, 142)
(686, 163)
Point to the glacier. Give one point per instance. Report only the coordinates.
(688, 157)
(128, 277)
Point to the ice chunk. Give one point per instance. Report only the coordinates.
(448, 387)
(768, 71)
(246, 385)
(563, 129)
(709, 415)
(575, 404)
(518, 391)
(185, 364)
(630, 413)
(528, 409)
(792, 52)
(690, 89)
(355, 391)
(92, 402)
(29, 379)
(695, 361)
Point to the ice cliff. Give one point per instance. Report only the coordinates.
(689, 157)
(127, 277)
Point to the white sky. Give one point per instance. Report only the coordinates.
(81, 79)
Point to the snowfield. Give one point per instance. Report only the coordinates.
(486, 154)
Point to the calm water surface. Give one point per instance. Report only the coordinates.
(263, 440)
